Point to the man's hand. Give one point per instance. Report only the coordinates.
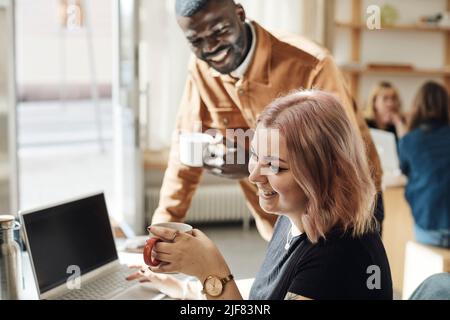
(227, 159)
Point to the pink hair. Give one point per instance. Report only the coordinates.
(328, 160)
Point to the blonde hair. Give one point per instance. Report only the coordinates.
(369, 111)
(328, 161)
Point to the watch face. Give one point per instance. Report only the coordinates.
(213, 286)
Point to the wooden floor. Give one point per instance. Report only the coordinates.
(398, 229)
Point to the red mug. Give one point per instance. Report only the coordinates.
(150, 243)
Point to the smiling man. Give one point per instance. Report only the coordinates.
(237, 69)
(216, 32)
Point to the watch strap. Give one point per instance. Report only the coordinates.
(227, 279)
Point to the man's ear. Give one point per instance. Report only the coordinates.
(240, 12)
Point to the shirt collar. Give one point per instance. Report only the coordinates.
(243, 67)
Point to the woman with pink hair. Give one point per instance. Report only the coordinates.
(310, 167)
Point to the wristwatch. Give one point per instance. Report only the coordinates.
(214, 285)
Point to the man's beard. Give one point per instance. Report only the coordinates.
(237, 52)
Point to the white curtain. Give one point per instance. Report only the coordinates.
(165, 52)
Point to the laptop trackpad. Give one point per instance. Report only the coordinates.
(139, 292)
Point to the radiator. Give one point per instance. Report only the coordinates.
(211, 203)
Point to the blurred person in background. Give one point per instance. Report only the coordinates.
(425, 159)
(383, 110)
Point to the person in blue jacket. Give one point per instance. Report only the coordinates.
(425, 159)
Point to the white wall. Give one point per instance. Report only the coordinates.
(3, 61)
(277, 15)
(3, 91)
(421, 49)
(8, 194)
(40, 43)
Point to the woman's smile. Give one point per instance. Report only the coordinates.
(266, 194)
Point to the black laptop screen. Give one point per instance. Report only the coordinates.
(72, 236)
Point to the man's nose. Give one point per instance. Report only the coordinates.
(211, 45)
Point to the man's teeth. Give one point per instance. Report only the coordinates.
(220, 56)
(266, 193)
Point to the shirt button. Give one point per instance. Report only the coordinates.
(226, 121)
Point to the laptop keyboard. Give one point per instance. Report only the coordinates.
(102, 288)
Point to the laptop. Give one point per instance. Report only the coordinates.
(386, 146)
(73, 254)
(387, 149)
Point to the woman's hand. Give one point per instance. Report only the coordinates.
(400, 124)
(396, 118)
(167, 284)
(192, 254)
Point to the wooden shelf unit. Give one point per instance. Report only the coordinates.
(398, 223)
(361, 70)
(355, 70)
(397, 27)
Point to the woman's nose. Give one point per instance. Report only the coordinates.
(255, 173)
